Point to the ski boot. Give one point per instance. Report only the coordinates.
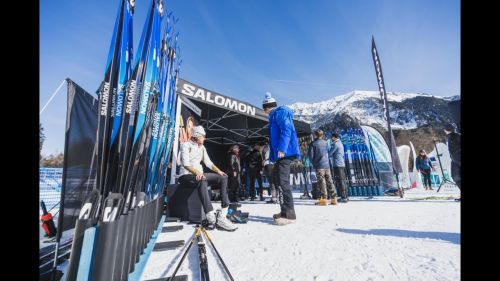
(334, 201)
(305, 196)
(272, 201)
(322, 202)
(284, 220)
(236, 217)
(222, 223)
(233, 208)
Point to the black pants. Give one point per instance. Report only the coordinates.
(339, 178)
(255, 174)
(221, 181)
(189, 181)
(427, 177)
(234, 187)
(268, 171)
(455, 174)
(210, 179)
(282, 181)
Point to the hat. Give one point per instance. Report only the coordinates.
(269, 101)
(450, 127)
(198, 131)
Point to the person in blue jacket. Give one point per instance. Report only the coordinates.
(424, 166)
(283, 149)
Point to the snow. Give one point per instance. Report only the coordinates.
(364, 105)
(384, 238)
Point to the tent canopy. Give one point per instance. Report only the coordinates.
(230, 121)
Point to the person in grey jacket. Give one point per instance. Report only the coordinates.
(318, 153)
(337, 156)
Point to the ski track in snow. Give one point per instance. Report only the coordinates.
(384, 238)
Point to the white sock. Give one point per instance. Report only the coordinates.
(223, 211)
(210, 214)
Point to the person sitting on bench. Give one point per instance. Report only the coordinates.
(192, 153)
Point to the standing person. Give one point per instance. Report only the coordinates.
(254, 160)
(454, 147)
(233, 171)
(424, 166)
(192, 153)
(268, 171)
(338, 164)
(318, 153)
(284, 148)
(245, 178)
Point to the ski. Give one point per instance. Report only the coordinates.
(202, 256)
(217, 253)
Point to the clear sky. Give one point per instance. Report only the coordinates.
(299, 50)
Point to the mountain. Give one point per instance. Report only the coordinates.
(408, 110)
(411, 114)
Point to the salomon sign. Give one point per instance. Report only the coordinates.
(197, 93)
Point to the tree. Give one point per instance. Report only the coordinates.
(53, 161)
(42, 139)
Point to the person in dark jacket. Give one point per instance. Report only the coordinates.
(338, 164)
(233, 172)
(254, 160)
(424, 166)
(284, 148)
(245, 174)
(454, 147)
(318, 153)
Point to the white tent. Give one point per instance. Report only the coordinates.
(404, 157)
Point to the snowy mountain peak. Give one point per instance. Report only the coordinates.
(407, 110)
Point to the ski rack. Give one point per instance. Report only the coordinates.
(101, 240)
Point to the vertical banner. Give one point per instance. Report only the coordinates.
(78, 172)
(396, 164)
(188, 117)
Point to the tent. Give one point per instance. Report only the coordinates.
(229, 121)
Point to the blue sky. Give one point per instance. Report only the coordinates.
(299, 50)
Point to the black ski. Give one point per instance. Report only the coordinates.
(217, 252)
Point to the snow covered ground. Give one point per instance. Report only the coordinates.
(385, 238)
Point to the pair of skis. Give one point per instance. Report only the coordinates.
(197, 237)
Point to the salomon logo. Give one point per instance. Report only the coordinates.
(140, 204)
(119, 102)
(104, 100)
(192, 91)
(110, 213)
(145, 96)
(130, 97)
(85, 211)
(156, 125)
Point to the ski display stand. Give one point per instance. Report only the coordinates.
(362, 156)
(99, 253)
(136, 274)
